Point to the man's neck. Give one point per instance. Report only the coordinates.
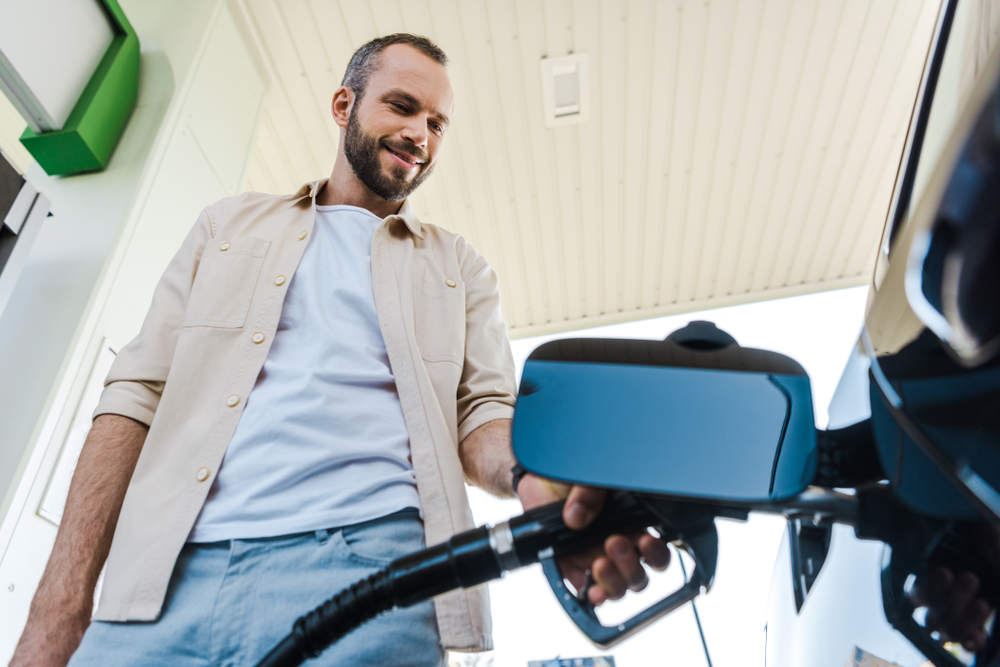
(344, 188)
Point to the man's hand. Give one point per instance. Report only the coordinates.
(616, 566)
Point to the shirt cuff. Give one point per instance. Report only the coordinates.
(485, 413)
(129, 399)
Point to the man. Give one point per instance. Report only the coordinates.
(316, 377)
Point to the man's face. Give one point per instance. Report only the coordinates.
(395, 130)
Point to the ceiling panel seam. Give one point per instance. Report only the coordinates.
(282, 95)
(577, 294)
(516, 129)
(861, 141)
(620, 166)
(678, 265)
(703, 228)
(758, 158)
(316, 75)
(664, 222)
(467, 219)
(313, 97)
(278, 52)
(704, 148)
(278, 146)
(319, 78)
(588, 152)
(643, 101)
(610, 145)
(509, 235)
(487, 207)
(261, 167)
(839, 229)
(892, 156)
(752, 257)
(767, 268)
(323, 40)
(799, 231)
(726, 215)
(557, 289)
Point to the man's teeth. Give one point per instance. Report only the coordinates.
(404, 158)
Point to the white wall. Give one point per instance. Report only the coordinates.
(11, 127)
(98, 259)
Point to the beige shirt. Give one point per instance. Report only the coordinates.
(213, 315)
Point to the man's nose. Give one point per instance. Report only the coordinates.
(415, 130)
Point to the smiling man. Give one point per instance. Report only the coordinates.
(316, 378)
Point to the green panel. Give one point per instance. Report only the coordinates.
(86, 141)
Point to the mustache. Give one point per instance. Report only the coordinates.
(410, 151)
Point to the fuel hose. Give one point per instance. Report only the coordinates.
(467, 559)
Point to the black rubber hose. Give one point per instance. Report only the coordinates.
(333, 619)
(467, 559)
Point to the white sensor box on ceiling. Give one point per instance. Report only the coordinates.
(565, 89)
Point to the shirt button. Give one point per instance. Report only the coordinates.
(257, 337)
(233, 401)
(303, 235)
(202, 474)
(450, 282)
(280, 280)
(224, 247)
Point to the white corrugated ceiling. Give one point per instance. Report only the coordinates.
(734, 151)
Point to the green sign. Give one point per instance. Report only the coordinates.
(86, 141)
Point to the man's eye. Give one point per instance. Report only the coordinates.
(436, 127)
(399, 107)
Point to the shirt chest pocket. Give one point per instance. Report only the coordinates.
(224, 285)
(440, 318)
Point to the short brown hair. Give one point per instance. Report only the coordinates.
(365, 60)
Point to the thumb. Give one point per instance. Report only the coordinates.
(582, 505)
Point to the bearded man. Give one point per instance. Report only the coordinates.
(315, 380)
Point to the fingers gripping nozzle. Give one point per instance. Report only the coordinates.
(691, 534)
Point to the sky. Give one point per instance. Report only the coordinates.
(818, 331)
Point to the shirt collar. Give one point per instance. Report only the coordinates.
(408, 217)
(308, 190)
(405, 214)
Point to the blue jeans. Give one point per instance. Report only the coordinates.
(229, 603)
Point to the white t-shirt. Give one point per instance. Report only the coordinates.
(322, 441)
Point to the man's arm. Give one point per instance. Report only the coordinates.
(487, 458)
(61, 608)
(64, 601)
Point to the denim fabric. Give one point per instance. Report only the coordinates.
(228, 603)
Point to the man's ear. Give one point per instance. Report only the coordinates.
(343, 102)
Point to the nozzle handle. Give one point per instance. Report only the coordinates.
(703, 547)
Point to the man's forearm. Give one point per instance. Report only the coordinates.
(61, 608)
(487, 457)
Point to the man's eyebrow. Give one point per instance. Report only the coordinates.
(410, 99)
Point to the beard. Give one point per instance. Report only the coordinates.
(363, 152)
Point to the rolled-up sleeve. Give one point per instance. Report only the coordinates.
(135, 382)
(487, 388)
